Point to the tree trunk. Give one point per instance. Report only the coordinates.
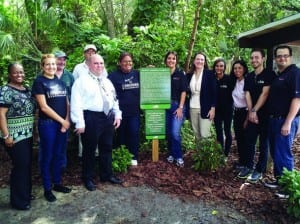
(110, 18)
(193, 35)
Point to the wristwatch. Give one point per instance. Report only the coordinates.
(253, 110)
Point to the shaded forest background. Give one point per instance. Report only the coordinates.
(147, 29)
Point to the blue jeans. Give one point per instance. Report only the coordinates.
(63, 162)
(52, 143)
(128, 134)
(281, 146)
(173, 127)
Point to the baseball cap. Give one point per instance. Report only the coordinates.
(90, 46)
(60, 54)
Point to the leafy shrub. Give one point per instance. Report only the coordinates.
(121, 159)
(208, 155)
(187, 137)
(290, 181)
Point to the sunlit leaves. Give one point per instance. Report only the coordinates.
(6, 42)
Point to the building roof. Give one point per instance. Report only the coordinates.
(286, 30)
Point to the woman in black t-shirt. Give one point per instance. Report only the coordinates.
(51, 96)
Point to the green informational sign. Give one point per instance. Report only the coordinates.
(155, 124)
(155, 88)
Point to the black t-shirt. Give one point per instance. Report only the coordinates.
(55, 93)
(225, 86)
(254, 84)
(178, 84)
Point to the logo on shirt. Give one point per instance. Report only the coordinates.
(129, 84)
(56, 91)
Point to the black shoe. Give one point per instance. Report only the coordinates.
(281, 194)
(113, 180)
(23, 208)
(89, 185)
(49, 196)
(60, 188)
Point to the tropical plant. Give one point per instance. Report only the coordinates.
(290, 181)
(208, 155)
(121, 159)
(188, 140)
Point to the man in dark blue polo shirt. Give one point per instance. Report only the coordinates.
(257, 85)
(284, 104)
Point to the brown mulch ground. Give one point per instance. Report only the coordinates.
(221, 186)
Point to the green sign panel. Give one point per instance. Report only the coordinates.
(155, 88)
(155, 124)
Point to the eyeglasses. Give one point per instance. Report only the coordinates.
(282, 56)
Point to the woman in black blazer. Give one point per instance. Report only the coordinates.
(202, 96)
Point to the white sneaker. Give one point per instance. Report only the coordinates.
(170, 159)
(180, 162)
(134, 162)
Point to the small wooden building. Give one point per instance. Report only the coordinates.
(284, 31)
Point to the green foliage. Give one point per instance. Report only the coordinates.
(208, 155)
(121, 159)
(290, 180)
(29, 28)
(187, 137)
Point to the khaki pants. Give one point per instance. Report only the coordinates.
(201, 127)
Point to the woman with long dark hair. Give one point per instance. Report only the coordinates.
(239, 70)
(176, 114)
(224, 112)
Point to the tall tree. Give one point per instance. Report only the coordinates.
(193, 35)
(109, 12)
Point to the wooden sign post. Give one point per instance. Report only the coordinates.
(155, 98)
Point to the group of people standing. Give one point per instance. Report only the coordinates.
(103, 106)
(265, 107)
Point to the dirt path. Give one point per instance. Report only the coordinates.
(117, 205)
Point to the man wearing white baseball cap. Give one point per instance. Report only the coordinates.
(83, 69)
(90, 46)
